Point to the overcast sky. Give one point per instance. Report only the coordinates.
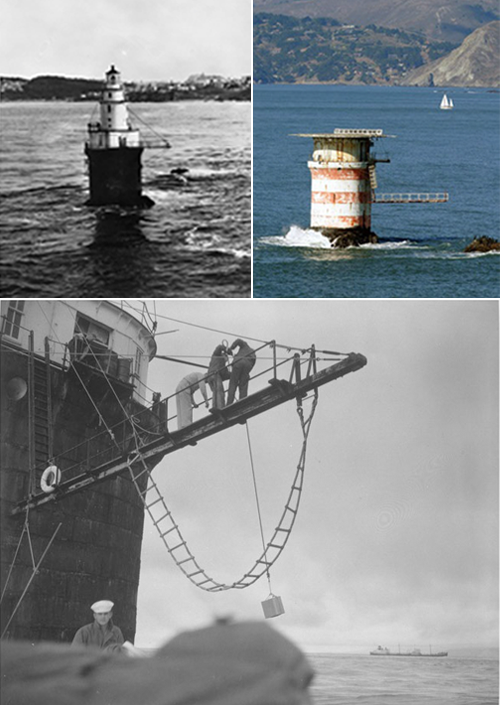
(396, 541)
(157, 40)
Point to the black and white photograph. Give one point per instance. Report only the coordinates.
(126, 148)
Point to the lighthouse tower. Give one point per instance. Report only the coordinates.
(343, 178)
(114, 150)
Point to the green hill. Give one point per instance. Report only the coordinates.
(475, 63)
(443, 21)
(322, 50)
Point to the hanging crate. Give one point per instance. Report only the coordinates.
(273, 606)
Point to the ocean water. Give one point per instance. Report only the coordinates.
(346, 679)
(420, 253)
(195, 241)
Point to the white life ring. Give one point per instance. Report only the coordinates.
(50, 479)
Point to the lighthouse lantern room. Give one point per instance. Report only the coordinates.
(114, 149)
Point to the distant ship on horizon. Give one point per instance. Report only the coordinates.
(382, 651)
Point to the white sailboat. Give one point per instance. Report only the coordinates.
(446, 103)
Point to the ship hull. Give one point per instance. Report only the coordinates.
(378, 653)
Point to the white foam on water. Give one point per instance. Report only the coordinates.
(297, 237)
(156, 195)
(490, 253)
(203, 242)
(401, 245)
(172, 196)
(198, 173)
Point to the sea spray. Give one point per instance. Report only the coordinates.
(298, 237)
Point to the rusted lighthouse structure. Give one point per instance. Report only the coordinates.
(343, 176)
(343, 183)
(114, 150)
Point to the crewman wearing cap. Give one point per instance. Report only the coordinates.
(102, 632)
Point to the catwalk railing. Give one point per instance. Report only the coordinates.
(149, 432)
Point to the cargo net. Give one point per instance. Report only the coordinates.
(176, 545)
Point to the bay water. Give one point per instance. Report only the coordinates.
(349, 679)
(421, 247)
(194, 242)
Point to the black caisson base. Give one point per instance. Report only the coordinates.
(115, 177)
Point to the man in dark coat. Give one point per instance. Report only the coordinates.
(243, 362)
(217, 373)
(102, 632)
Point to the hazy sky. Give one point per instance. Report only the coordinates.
(397, 535)
(157, 40)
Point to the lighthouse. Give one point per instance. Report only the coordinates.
(342, 179)
(343, 183)
(114, 150)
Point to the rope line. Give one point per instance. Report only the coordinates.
(34, 572)
(230, 333)
(257, 502)
(138, 117)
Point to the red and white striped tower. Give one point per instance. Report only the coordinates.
(343, 177)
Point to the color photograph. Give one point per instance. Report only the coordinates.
(376, 149)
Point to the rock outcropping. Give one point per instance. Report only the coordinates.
(351, 237)
(483, 244)
(475, 63)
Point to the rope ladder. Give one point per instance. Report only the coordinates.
(175, 543)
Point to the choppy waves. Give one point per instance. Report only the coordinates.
(366, 680)
(194, 242)
(311, 239)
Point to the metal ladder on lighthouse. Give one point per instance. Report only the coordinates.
(40, 451)
(40, 410)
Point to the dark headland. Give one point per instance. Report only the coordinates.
(198, 87)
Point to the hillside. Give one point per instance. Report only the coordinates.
(293, 50)
(476, 63)
(448, 20)
(75, 89)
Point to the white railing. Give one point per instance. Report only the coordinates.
(410, 198)
(357, 133)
